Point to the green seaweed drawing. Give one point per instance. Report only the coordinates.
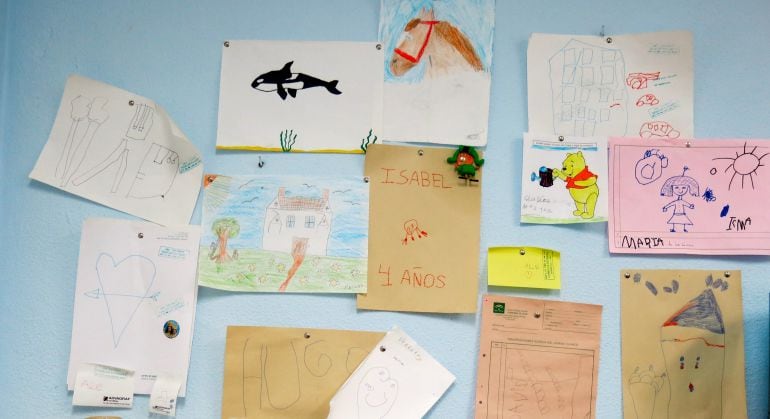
(287, 138)
(368, 140)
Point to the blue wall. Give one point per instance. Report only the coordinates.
(170, 51)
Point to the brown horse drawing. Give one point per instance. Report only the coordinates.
(445, 48)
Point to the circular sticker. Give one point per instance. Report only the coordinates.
(171, 329)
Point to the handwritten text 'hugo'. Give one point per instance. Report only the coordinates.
(414, 277)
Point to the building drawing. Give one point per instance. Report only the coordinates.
(588, 90)
(289, 220)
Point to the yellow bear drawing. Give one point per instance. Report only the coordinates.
(581, 184)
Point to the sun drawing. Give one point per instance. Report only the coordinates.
(744, 165)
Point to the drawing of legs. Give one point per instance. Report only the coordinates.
(156, 174)
(377, 392)
(80, 107)
(124, 285)
(77, 145)
(644, 386)
(138, 129)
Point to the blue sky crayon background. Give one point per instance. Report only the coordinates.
(250, 195)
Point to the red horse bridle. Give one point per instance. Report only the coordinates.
(416, 59)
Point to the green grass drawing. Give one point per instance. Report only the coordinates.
(263, 270)
(368, 140)
(287, 138)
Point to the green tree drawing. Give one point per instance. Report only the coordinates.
(224, 228)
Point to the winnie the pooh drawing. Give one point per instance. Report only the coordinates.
(581, 184)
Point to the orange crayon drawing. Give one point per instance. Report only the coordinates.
(658, 130)
(412, 229)
(648, 99)
(638, 81)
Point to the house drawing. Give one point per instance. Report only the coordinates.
(291, 220)
(588, 90)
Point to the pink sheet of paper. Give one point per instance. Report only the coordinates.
(690, 196)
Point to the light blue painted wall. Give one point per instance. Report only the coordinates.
(170, 51)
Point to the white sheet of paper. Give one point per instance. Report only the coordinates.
(121, 150)
(300, 96)
(164, 393)
(437, 70)
(623, 85)
(398, 379)
(103, 386)
(135, 299)
(564, 179)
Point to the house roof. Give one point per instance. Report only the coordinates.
(302, 202)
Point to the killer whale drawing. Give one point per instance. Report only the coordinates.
(288, 83)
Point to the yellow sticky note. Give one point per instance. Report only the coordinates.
(524, 267)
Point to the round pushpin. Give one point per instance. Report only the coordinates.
(609, 40)
(227, 44)
(378, 46)
(307, 335)
(537, 315)
(131, 102)
(727, 274)
(561, 138)
(140, 235)
(627, 275)
(366, 179)
(420, 152)
(522, 252)
(382, 349)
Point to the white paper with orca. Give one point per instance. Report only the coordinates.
(564, 179)
(300, 96)
(121, 150)
(135, 299)
(438, 64)
(637, 85)
(398, 379)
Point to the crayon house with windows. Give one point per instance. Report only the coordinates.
(290, 220)
(588, 90)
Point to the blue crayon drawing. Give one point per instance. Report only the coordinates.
(679, 186)
(123, 285)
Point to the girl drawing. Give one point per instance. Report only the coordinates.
(679, 186)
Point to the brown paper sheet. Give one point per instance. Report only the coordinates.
(423, 232)
(682, 336)
(537, 359)
(288, 373)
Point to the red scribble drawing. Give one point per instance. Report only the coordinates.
(638, 81)
(648, 99)
(615, 105)
(658, 130)
(412, 229)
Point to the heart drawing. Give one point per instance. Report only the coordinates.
(124, 285)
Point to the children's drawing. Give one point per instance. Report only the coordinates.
(683, 352)
(288, 373)
(596, 86)
(78, 141)
(413, 230)
(121, 150)
(292, 234)
(438, 56)
(644, 386)
(675, 197)
(638, 81)
(650, 167)
(444, 47)
(377, 392)
(135, 295)
(744, 165)
(564, 161)
(329, 94)
(658, 130)
(285, 82)
(648, 99)
(680, 186)
(138, 129)
(156, 175)
(398, 379)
